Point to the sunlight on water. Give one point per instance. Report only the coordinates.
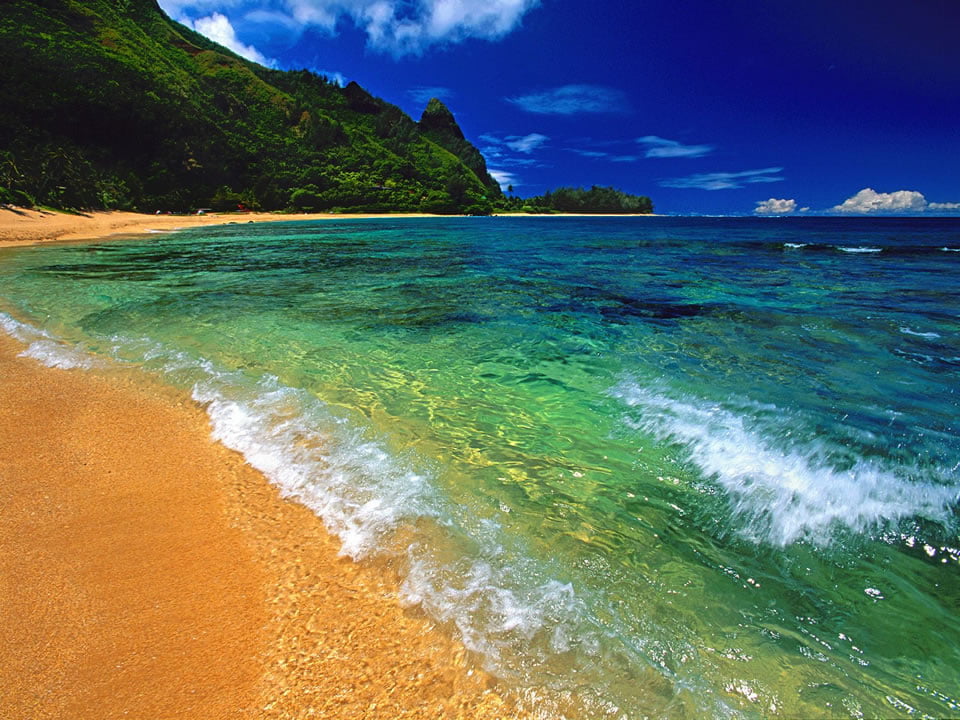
(639, 467)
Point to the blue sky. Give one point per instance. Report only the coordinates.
(753, 106)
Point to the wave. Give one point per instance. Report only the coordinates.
(463, 570)
(915, 333)
(44, 348)
(898, 250)
(857, 249)
(783, 495)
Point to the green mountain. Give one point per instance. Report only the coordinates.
(110, 104)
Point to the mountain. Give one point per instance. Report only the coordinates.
(110, 104)
(438, 124)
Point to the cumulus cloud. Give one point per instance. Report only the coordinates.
(775, 206)
(177, 8)
(725, 180)
(869, 200)
(219, 29)
(658, 147)
(572, 100)
(396, 26)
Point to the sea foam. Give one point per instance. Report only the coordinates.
(849, 249)
(44, 348)
(782, 495)
(501, 605)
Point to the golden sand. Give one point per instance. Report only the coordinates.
(148, 572)
(20, 226)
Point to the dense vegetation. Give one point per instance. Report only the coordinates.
(110, 104)
(578, 200)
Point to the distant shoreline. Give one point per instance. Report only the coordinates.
(22, 226)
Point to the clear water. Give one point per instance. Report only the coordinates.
(640, 466)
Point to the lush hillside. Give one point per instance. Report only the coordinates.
(579, 200)
(108, 103)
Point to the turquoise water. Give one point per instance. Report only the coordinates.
(640, 466)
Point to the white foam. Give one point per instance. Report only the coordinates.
(949, 249)
(927, 335)
(358, 489)
(44, 348)
(859, 249)
(503, 605)
(785, 495)
(795, 246)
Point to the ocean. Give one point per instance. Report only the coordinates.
(669, 467)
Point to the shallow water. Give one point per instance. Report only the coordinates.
(664, 466)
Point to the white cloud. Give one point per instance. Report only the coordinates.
(725, 180)
(572, 100)
(775, 206)
(218, 28)
(658, 147)
(504, 178)
(502, 149)
(396, 26)
(589, 153)
(869, 200)
(177, 8)
(338, 78)
(527, 143)
(424, 93)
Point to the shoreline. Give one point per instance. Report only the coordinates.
(146, 570)
(22, 226)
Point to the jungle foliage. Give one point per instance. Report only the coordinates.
(598, 200)
(110, 104)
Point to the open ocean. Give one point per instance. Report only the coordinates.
(676, 467)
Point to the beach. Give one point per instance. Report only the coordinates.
(670, 467)
(22, 226)
(148, 571)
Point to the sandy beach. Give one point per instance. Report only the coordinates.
(146, 571)
(19, 226)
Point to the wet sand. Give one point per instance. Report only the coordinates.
(148, 572)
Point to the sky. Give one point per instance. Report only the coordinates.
(766, 107)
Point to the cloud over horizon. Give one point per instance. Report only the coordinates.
(572, 100)
(398, 27)
(869, 200)
(724, 180)
(775, 206)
